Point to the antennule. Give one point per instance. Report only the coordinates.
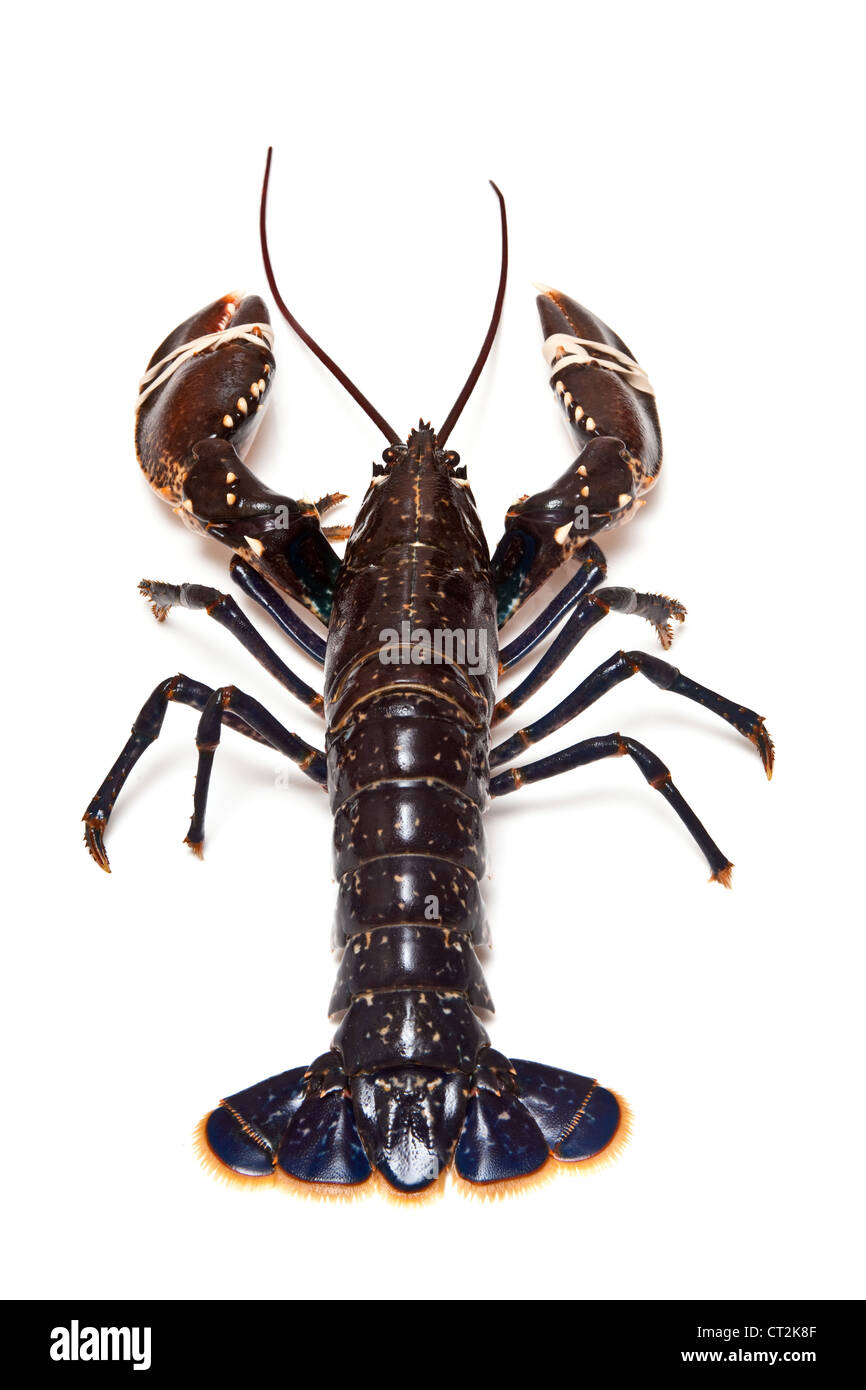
(483, 355)
(379, 420)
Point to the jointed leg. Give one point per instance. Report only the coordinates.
(590, 609)
(592, 569)
(146, 729)
(658, 609)
(619, 668)
(223, 609)
(268, 598)
(225, 704)
(592, 750)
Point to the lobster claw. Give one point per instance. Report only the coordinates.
(209, 378)
(610, 408)
(200, 404)
(603, 390)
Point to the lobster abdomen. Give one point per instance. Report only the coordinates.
(408, 776)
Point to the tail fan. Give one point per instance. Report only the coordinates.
(506, 1125)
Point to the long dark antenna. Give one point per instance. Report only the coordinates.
(379, 420)
(483, 355)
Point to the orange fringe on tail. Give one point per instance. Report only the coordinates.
(550, 1171)
(488, 1191)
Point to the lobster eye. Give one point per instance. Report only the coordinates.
(452, 459)
(388, 455)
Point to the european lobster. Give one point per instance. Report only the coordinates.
(411, 1086)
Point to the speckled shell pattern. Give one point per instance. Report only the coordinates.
(208, 397)
(407, 750)
(600, 404)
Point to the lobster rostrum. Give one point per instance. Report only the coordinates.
(411, 1086)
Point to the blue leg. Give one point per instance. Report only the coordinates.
(267, 597)
(223, 609)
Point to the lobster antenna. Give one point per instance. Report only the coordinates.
(379, 420)
(483, 355)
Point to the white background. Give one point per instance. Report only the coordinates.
(694, 178)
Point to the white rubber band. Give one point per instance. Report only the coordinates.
(562, 350)
(168, 365)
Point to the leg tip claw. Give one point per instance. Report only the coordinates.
(197, 847)
(673, 612)
(723, 875)
(95, 843)
(764, 745)
(159, 610)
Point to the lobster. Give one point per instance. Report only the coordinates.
(411, 1087)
